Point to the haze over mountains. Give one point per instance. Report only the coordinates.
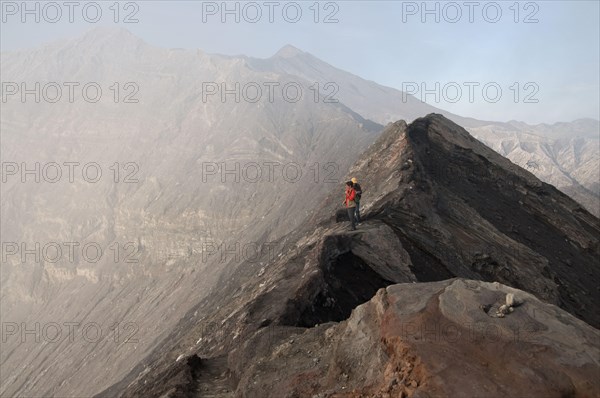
(563, 154)
(167, 217)
(174, 210)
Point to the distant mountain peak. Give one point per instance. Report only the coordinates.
(110, 34)
(112, 31)
(288, 51)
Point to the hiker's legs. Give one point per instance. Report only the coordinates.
(352, 217)
(357, 211)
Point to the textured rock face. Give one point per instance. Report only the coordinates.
(429, 340)
(437, 204)
(461, 209)
(410, 340)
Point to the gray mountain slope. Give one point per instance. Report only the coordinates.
(179, 229)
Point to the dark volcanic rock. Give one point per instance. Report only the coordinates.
(437, 204)
(430, 340)
(460, 209)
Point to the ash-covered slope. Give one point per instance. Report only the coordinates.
(438, 204)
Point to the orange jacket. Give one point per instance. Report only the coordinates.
(350, 195)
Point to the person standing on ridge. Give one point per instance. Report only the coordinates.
(350, 204)
(358, 190)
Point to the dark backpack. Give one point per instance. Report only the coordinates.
(358, 190)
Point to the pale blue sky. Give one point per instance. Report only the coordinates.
(559, 54)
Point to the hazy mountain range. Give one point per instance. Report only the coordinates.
(565, 155)
(168, 208)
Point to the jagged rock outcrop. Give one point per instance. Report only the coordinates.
(428, 340)
(437, 205)
(410, 340)
(461, 209)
